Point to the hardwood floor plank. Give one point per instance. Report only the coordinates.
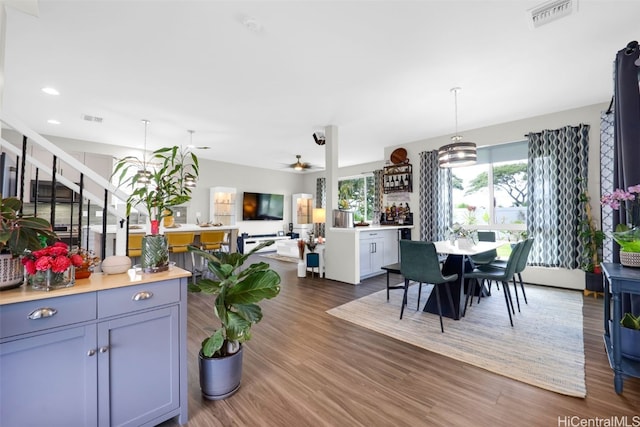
(304, 367)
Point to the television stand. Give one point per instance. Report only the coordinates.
(250, 242)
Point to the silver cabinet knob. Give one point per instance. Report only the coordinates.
(104, 349)
(91, 352)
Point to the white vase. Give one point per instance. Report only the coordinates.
(302, 269)
(464, 243)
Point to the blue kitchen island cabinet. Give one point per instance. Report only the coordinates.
(108, 351)
(618, 280)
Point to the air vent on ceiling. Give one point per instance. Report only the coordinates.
(551, 11)
(91, 118)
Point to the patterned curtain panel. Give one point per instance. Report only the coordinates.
(435, 198)
(557, 164)
(321, 201)
(606, 177)
(377, 195)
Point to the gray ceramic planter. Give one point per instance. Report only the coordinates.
(630, 343)
(220, 376)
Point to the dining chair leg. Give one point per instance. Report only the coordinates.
(515, 289)
(508, 292)
(387, 285)
(522, 287)
(419, 295)
(404, 297)
(507, 297)
(436, 286)
(481, 292)
(466, 299)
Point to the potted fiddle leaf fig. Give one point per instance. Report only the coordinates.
(18, 233)
(236, 290)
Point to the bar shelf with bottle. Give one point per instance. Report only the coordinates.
(397, 215)
(397, 178)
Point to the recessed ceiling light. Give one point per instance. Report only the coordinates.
(53, 122)
(50, 91)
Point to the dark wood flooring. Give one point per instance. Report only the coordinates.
(304, 367)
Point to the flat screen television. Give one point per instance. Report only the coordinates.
(262, 206)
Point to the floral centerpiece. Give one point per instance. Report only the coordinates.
(626, 235)
(89, 262)
(51, 267)
(458, 232)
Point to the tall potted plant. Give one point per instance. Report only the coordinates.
(166, 180)
(237, 292)
(592, 239)
(18, 233)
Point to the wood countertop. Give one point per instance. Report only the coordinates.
(97, 282)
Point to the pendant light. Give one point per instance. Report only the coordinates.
(143, 175)
(457, 153)
(190, 181)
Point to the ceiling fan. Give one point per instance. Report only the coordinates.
(300, 165)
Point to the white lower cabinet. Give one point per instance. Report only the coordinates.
(120, 368)
(377, 249)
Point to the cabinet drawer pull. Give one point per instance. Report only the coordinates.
(142, 295)
(104, 349)
(91, 352)
(39, 313)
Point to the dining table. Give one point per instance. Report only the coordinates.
(458, 262)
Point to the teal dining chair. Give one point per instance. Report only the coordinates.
(488, 257)
(520, 266)
(419, 262)
(503, 275)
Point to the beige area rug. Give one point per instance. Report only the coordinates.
(281, 257)
(545, 348)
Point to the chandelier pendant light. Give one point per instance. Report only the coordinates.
(143, 175)
(457, 153)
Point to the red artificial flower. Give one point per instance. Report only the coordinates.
(60, 264)
(77, 260)
(29, 265)
(43, 263)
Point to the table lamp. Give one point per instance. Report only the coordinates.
(319, 217)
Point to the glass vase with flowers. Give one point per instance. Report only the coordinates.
(627, 235)
(52, 267)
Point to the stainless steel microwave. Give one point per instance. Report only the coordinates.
(44, 192)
